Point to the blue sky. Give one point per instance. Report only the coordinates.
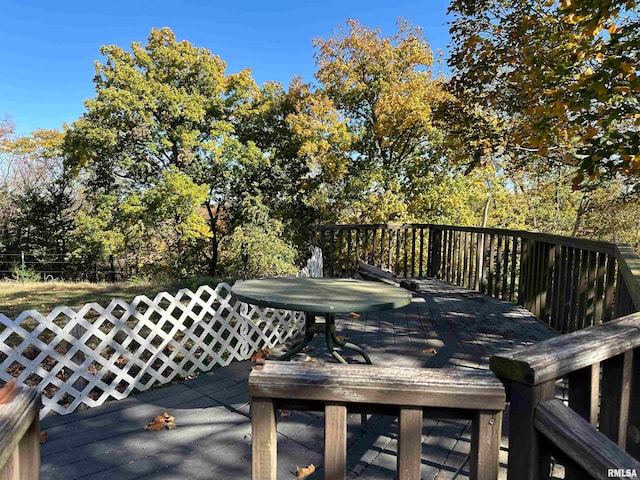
(48, 47)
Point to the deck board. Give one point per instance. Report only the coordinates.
(213, 434)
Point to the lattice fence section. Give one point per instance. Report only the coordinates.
(96, 354)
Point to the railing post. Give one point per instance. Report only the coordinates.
(335, 441)
(525, 456)
(409, 443)
(20, 442)
(485, 439)
(264, 445)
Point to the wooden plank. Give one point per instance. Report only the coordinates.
(485, 445)
(409, 443)
(580, 441)
(584, 389)
(633, 431)
(525, 261)
(373, 384)
(563, 294)
(625, 395)
(29, 452)
(413, 252)
(615, 379)
(591, 289)
(335, 441)
(524, 448)
(514, 263)
(264, 443)
(583, 291)
(479, 261)
(406, 248)
(17, 418)
(420, 272)
(609, 291)
(556, 318)
(558, 356)
(601, 271)
(491, 265)
(11, 469)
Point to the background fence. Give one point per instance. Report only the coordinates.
(51, 266)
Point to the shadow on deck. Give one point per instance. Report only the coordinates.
(444, 327)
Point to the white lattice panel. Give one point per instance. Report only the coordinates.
(97, 353)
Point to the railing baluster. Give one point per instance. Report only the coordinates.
(514, 268)
(600, 285)
(421, 252)
(413, 252)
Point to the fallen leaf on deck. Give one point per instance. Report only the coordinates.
(262, 353)
(306, 471)
(341, 338)
(285, 413)
(8, 391)
(430, 350)
(309, 359)
(355, 315)
(44, 436)
(161, 421)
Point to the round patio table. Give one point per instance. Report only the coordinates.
(322, 296)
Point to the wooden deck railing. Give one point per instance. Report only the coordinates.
(19, 433)
(569, 283)
(602, 365)
(404, 392)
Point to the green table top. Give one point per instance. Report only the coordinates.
(321, 295)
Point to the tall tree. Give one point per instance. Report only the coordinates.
(162, 107)
(371, 115)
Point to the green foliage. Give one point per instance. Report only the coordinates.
(368, 121)
(268, 254)
(24, 274)
(260, 239)
(558, 80)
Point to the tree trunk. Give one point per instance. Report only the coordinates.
(213, 226)
(582, 209)
(486, 212)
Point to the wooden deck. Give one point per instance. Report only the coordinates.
(444, 327)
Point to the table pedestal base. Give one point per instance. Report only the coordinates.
(330, 338)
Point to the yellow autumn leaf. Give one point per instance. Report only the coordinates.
(305, 471)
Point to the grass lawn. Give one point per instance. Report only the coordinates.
(15, 297)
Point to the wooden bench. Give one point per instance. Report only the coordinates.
(403, 392)
(19, 433)
(602, 365)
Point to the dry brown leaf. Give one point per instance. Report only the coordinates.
(262, 353)
(8, 391)
(161, 421)
(430, 350)
(285, 413)
(309, 359)
(341, 338)
(306, 471)
(152, 427)
(355, 315)
(44, 436)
